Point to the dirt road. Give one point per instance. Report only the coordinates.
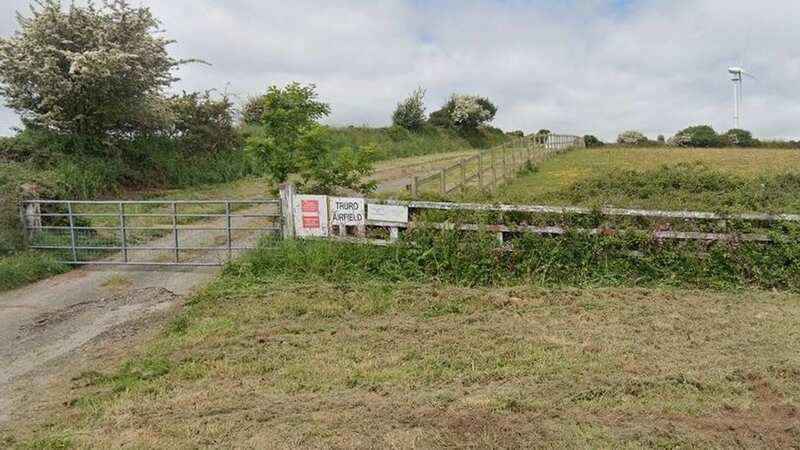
(48, 326)
(51, 328)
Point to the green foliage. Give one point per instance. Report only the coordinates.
(88, 71)
(632, 138)
(543, 132)
(740, 138)
(289, 133)
(702, 136)
(333, 168)
(477, 259)
(396, 142)
(466, 113)
(20, 269)
(202, 124)
(592, 141)
(410, 113)
(686, 183)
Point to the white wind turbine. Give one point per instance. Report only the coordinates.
(738, 74)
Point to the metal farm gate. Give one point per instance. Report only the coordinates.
(165, 233)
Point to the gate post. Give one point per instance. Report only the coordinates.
(288, 191)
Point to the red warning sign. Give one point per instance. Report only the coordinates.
(311, 215)
(311, 222)
(309, 206)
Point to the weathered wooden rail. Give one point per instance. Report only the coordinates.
(501, 230)
(492, 167)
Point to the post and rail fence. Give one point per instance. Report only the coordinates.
(493, 167)
(212, 232)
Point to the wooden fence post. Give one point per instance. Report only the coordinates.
(414, 186)
(505, 174)
(463, 168)
(288, 192)
(480, 171)
(494, 170)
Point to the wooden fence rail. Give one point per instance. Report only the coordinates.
(490, 168)
(502, 229)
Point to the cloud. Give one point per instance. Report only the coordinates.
(591, 66)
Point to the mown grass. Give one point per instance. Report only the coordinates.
(263, 362)
(712, 179)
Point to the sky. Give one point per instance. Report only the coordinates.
(572, 66)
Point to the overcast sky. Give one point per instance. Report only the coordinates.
(580, 66)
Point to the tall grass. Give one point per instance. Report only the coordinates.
(477, 259)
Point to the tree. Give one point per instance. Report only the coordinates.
(92, 71)
(465, 113)
(592, 141)
(544, 132)
(289, 140)
(697, 136)
(410, 113)
(201, 123)
(289, 129)
(740, 138)
(632, 137)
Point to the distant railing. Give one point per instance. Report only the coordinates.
(490, 168)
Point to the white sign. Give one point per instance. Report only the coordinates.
(311, 215)
(388, 213)
(348, 211)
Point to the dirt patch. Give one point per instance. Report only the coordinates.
(54, 342)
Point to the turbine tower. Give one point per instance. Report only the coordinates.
(738, 73)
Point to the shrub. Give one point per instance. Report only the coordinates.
(740, 138)
(88, 71)
(465, 113)
(410, 113)
(632, 137)
(291, 141)
(202, 124)
(701, 136)
(289, 129)
(592, 141)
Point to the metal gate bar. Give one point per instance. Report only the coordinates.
(199, 233)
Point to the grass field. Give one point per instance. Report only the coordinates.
(465, 343)
(728, 179)
(271, 363)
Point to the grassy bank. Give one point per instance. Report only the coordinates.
(710, 179)
(259, 362)
(23, 268)
(399, 143)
